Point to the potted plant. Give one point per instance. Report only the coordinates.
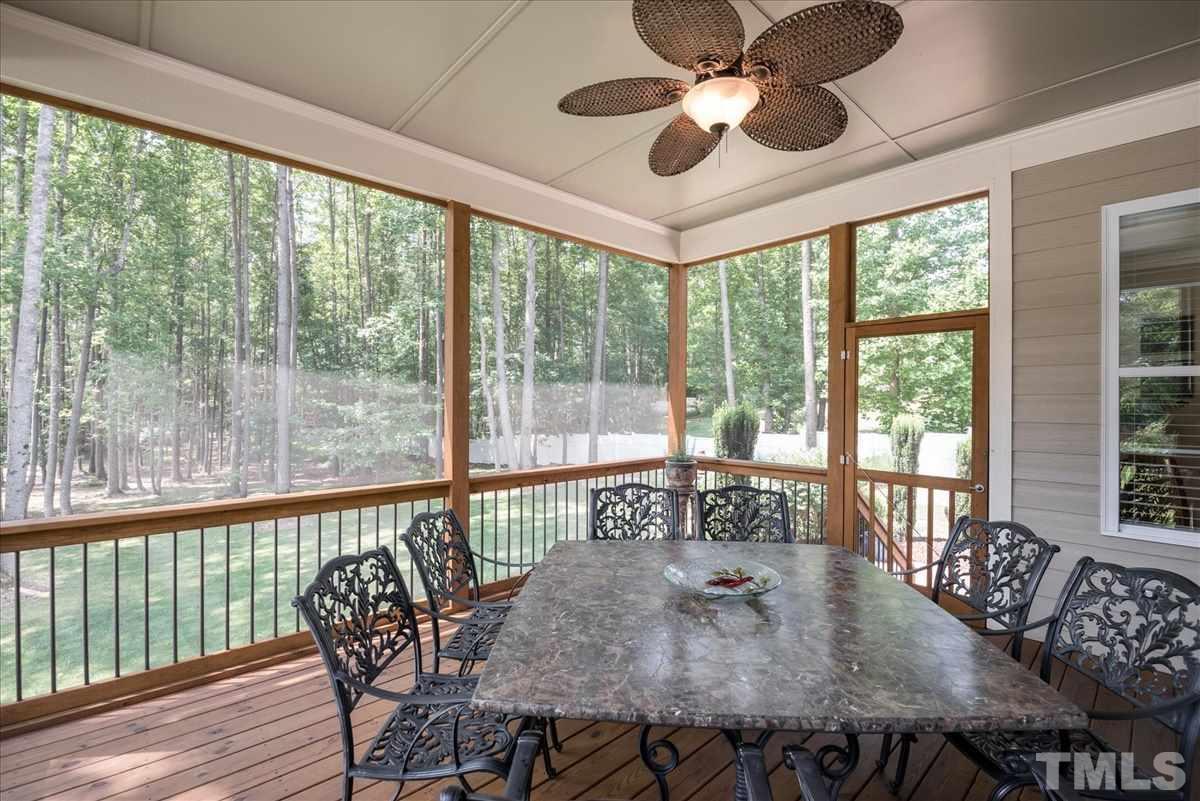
(681, 469)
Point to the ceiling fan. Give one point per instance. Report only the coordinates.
(771, 89)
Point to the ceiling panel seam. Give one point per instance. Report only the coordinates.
(1059, 85)
(724, 195)
(602, 154)
(145, 22)
(493, 30)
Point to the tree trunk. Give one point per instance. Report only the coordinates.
(502, 399)
(39, 378)
(439, 420)
(20, 405)
(595, 400)
(488, 401)
(72, 444)
(238, 456)
(112, 459)
(726, 335)
(283, 328)
(55, 407)
(810, 359)
(764, 386)
(528, 452)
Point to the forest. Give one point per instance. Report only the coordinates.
(184, 323)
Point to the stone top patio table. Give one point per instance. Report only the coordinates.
(599, 634)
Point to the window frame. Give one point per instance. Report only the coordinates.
(1111, 372)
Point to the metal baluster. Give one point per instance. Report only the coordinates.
(53, 620)
(87, 679)
(508, 533)
(203, 618)
(360, 531)
(320, 543)
(227, 538)
(275, 580)
(298, 524)
(175, 597)
(929, 535)
(253, 584)
(17, 617)
(339, 514)
(116, 610)
(495, 533)
(146, 600)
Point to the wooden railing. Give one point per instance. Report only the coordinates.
(99, 607)
(104, 609)
(903, 520)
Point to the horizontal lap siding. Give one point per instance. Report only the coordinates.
(1056, 345)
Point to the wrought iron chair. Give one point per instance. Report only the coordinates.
(633, 512)
(1136, 632)
(446, 564)
(741, 513)
(363, 619)
(994, 567)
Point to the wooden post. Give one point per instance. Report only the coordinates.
(457, 348)
(840, 503)
(677, 358)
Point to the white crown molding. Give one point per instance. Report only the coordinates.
(966, 169)
(107, 83)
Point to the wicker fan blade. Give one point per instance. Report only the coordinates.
(681, 146)
(623, 96)
(823, 43)
(698, 35)
(796, 118)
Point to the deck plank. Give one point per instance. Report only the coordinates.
(272, 736)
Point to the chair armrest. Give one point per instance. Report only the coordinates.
(915, 569)
(1037, 624)
(402, 698)
(996, 613)
(1148, 711)
(520, 774)
(1063, 791)
(483, 558)
(439, 615)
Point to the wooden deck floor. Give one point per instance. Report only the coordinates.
(271, 735)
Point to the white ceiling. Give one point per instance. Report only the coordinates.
(482, 78)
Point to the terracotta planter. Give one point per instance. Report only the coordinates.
(681, 475)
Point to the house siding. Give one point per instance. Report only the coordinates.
(1056, 345)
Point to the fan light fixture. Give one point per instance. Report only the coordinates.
(720, 104)
(771, 89)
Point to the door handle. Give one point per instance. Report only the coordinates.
(977, 488)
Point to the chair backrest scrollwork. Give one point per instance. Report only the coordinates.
(633, 512)
(741, 513)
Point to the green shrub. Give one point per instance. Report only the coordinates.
(735, 431)
(907, 432)
(962, 458)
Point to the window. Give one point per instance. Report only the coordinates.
(758, 339)
(568, 352)
(206, 317)
(920, 263)
(1151, 390)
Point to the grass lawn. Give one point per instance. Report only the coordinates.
(191, 592)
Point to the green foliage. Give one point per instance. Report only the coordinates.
(907, 432)
(962, 458)
(735, 430)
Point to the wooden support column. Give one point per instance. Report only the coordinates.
(677, 358)
(457, 351)
(840, 503)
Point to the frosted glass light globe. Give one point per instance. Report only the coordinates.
(720, 104)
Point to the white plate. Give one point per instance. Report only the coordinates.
(694, 576)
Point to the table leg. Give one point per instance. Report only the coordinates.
(650, 751)
(821, 773)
